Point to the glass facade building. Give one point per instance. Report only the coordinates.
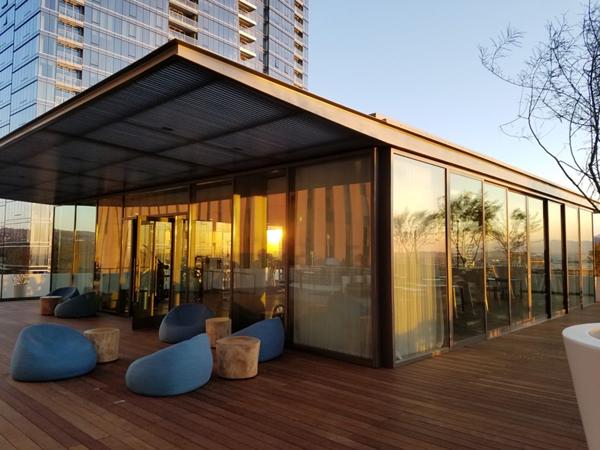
(371, 241)
(51, 50)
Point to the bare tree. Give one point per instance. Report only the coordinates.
(560, 93)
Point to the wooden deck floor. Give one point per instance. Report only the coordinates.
(510, 392)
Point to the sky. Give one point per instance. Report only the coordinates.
(418, 62)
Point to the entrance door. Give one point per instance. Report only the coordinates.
(160, 248)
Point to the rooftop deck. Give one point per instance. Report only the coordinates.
(510, 392)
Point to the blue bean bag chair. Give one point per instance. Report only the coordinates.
(183, 322)
(271, 335)
(85, 305)
(174, 370)
(65, 292)
(47, 352)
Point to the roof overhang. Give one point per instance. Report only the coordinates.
(182, 114)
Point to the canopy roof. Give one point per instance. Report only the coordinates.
(182, 114)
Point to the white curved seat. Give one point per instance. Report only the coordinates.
(582, 343)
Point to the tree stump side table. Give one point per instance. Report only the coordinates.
(237, 357)
(106, 341)
(48, 303)
(217, 328)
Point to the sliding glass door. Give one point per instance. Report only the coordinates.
(419, 273)
(496, 253)
(259, 277)
(466, 247)
(330, 270)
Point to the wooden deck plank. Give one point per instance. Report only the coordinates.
(511, 392)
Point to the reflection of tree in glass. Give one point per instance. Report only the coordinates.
(466, 212)
(413, 230)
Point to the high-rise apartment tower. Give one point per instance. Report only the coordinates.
(52, 49)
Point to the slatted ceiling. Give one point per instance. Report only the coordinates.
(216, 108)
(157, 166)
(74, 184)
(136, 137)
(282, 135)
(25, 176)
(233, 104)
(32, 145)
(41, 195)
(121, 174)
(205, 155)
(53, 160)
(167, 82)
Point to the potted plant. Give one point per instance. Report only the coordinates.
(20, 281)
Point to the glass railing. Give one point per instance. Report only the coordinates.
(181, 18)
(187, 3)
(71, 12)
(68, 80)
(71, 35)
(69, 57)
(24, 285)
(184, 37)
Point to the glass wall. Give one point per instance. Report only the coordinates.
(210, 246)
(259, 278)
(587, 257)
(555, 241)
(108, 251)
(537, 256)
(466, 245)
(519, 266)
(83, 256)
(330, 270)
(496, 252)
(73, 247)
(62, 246)
(573, 255)
(419, 258)
(596, 218)
(25, 249)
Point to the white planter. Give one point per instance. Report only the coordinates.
(19, 290)
(582, 343)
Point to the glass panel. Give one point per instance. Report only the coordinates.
(519, 267)
(109, 239)
(210, 238)
(62, 246)
(156, 203)
(587, 257)
(259, 284)
(596, 253)
(25, 243)
(496, 251)
(126, 270)
(573, 262)
(556, 257)
(466, 243)
(419, 258)
(83, 262)
(180, 270)
(145, 271)
(331, 269)
(537, 254)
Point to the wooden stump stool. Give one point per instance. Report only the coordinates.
(106, 341)
(217, 328)
(48, 303)
(237, 357)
